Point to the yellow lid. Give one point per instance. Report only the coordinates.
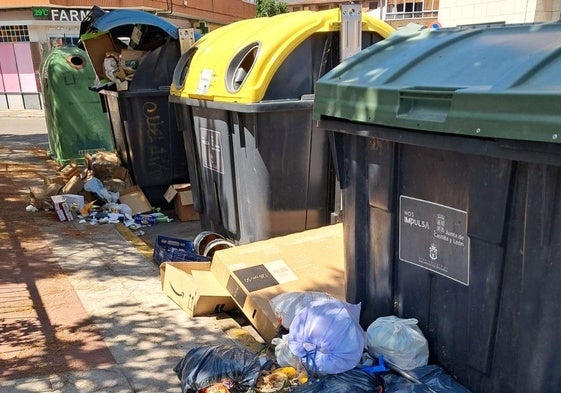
(235, 63)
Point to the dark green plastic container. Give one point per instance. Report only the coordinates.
(449, 161)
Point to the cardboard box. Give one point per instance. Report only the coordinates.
(134, 198)
(195, 291)
(72, 199)
(62, 208)
(74, 185)
(254, 273)
(66, 172)
(48, 180)
(96, 46)
(182, 196)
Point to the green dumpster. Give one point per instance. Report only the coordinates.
(449, 160)
(76, 123)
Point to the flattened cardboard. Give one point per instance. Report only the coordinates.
(196, 291)
(134, 198)
(254, 273)
(74, 185)
(96, 46)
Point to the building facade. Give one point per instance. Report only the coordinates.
(30, 29)
(447, 13)
(397, 13)
(465, 12)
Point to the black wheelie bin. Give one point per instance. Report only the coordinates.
(243, 96)
(449, 158)
(142, 120)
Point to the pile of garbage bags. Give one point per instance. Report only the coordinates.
(326, 350)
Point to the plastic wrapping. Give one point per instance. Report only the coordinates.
(287, 305)
(327, 336)
(96, 186)
(283, 355)
(399, 340)
(432, 378)
(352, 381)
(235, 367)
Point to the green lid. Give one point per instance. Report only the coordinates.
(495, 82)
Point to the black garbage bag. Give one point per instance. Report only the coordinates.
(432, 378)
(235, 367)
(352, 381)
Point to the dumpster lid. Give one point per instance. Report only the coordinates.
(236, 62)
(121, 23)
(494, 81)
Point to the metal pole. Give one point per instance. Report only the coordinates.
(351, 30)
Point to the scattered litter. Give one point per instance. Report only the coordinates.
(96, 186)
(31, 208)
(280, 380)
(132, 225)
(87, 208)
(151, 219)
(139, 233)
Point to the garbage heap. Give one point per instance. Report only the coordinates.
(99, 191)
(324, 350)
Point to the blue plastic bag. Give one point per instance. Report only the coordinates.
(327, 336)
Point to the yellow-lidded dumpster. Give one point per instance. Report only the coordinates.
(243, 96)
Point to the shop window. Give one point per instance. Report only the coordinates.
(14, 33)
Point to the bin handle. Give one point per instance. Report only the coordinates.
(425, 104)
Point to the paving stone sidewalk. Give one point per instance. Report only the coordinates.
(119, 304)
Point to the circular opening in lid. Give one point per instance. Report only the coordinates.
(76, 61)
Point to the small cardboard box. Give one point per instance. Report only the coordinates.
(195, 291)
(62, 208)
(134, 198)
(254, 273)
(182, 196)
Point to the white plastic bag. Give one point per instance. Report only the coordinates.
(283, 355)
(327, 336)
(399, 340)
(287, 305)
